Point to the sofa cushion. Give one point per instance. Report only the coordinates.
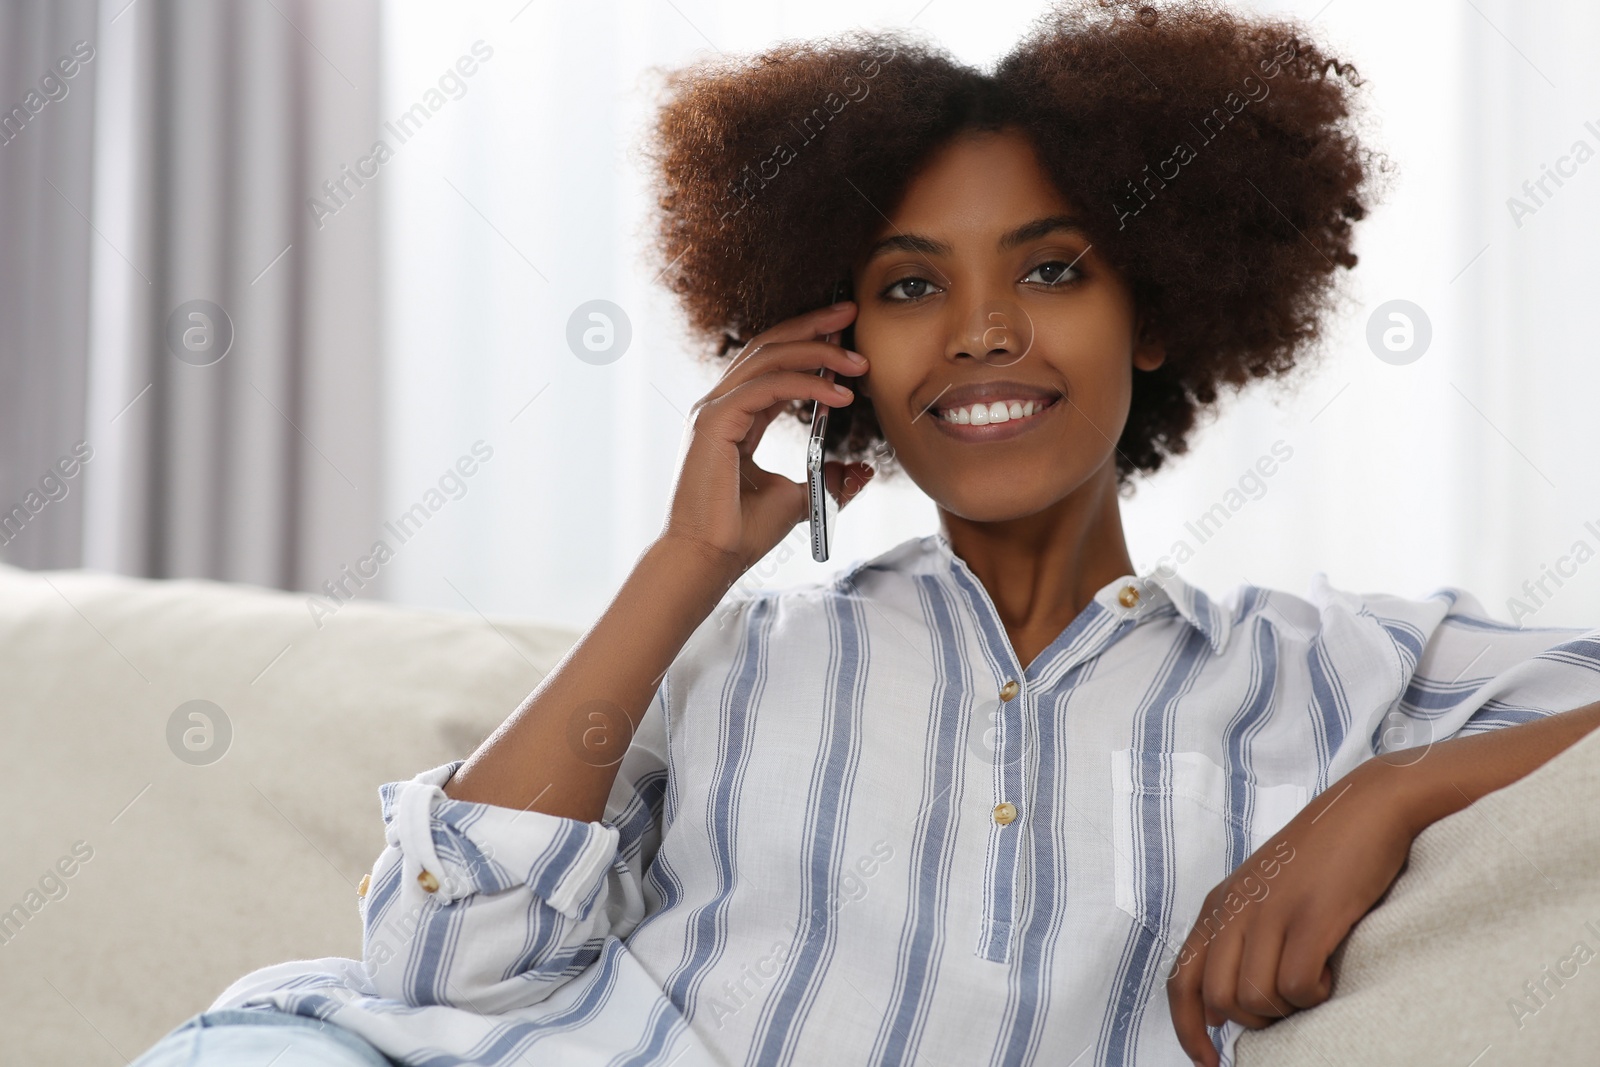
(150, 860)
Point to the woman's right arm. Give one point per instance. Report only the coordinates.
(508, 857)
(558, 752)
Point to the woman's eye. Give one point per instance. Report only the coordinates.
(1058, 269)
(912, 281)
(1055, 273)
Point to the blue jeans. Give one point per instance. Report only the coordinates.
(238, 1038)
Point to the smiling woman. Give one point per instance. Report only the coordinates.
(983, 227)
(1231, 277)
(1060, 765)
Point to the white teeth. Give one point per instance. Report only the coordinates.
(998, 411)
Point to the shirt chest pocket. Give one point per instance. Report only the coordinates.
(1179, 824)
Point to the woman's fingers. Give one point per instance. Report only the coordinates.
(789, 346)
(806, 356)
(1258, 972)
(758, 428)
(807, 327)
(733, 415)
(1222, 984)
(1303, 975)
(736, 507)
(764, 419)
(1185, 999)
(805, 342)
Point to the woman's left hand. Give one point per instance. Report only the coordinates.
(1260, 947)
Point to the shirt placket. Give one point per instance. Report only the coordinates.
(1017, 693)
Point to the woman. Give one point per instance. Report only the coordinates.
(992, 796)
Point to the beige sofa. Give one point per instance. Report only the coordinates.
(156, 855)
(199, 870)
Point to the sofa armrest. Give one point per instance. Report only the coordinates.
(1488, 940)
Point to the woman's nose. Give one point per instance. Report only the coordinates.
(994, 331)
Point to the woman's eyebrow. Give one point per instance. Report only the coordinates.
(1029, 231)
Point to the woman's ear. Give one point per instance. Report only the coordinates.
(1149, 356)
(1148, 351)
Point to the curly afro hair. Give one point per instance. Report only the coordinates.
(1211, 156)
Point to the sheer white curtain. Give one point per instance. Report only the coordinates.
(1467, 466)
(522, 198)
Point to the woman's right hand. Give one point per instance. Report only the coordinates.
(722, 502)
(560, 752)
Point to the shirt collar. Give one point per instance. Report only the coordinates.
(1197, 609)
(1155, 590)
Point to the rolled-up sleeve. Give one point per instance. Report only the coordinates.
(1470, 673)
(490, 908)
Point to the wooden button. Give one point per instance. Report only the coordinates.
(1005, 813)
(366, 882)
(1009, 690)
(1128, 597)
(428, 882)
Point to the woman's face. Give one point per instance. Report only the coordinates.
(980, 281)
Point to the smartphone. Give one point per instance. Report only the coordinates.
(824, 508)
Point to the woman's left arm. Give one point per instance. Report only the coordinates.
(1255, 955)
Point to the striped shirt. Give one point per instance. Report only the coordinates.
(853, 827)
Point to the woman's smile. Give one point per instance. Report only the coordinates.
(996, 420)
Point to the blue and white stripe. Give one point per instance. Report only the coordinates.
(800, 861)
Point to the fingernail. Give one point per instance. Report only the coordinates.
(842, 391)
(840, 304)
(855, 357)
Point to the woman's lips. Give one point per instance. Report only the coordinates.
(994, 419)
(983, 413)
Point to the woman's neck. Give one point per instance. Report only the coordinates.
(1041, 570)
